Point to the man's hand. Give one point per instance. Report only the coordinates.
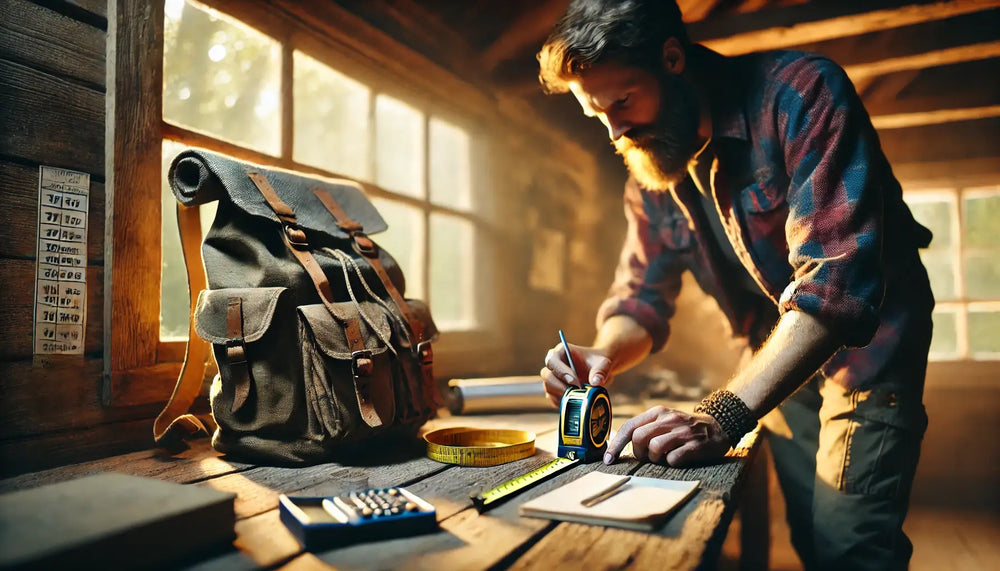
(592, 364)
(662, 435)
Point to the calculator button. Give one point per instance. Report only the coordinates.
(393, 492)
(411, 507)
(366, 512)
(395, 510)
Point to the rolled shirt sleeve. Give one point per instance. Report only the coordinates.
(648, 276)
(834, 228)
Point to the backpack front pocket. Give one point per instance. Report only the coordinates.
(254, 340)
(347, 364)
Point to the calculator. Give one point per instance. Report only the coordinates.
(364, 515)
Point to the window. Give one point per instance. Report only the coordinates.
(963, 262)
(226, 88)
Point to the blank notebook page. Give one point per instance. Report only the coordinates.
(640, 502)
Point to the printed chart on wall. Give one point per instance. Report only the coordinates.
(61, 276)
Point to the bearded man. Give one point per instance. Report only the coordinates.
(763, 176)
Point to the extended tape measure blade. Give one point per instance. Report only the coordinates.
(497, 495)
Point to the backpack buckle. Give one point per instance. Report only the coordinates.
(364, 244)
(361, 363)
(425, 352)
(296, 237)
(236, 351)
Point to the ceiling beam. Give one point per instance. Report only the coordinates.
(934, 58)
(695, 10)
(903, 120)
(806, 23)
(530, 28)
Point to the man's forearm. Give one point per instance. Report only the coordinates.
(796, 349)
(623, 341)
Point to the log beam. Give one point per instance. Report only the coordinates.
(934, 58)
(808, 23)
(903, 120)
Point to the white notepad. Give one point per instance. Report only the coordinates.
(641, 504)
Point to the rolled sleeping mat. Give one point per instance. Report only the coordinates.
(497, 394)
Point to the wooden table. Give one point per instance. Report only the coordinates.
(500, 538)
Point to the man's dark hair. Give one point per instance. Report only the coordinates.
(628, 32)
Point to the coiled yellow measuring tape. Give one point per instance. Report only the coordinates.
(479, 446)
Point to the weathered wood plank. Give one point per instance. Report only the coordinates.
(58, 393)
(50, 121)
(944, 142)
(98, 8)
(448, 487)
(17, 305)
(135, 54)
(813, 22)
(19, 217)
(22, 455)
(199, 462)
(468, 539)
(51, 42)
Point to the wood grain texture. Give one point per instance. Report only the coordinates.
(98, 8)
(135, 31)
(51, 42)
(49, 120)
(199, 462)
(17, 307)
(56, 393)
(19, 217)
(43, 451)
(499, 538)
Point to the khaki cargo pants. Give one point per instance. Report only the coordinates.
(845, 460)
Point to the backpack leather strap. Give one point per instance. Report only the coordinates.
(236, 353)
(175, 422)
(369, 250)
(298, 245)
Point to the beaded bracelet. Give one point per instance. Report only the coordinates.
(732, 414)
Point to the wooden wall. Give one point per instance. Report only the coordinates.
(52, 108)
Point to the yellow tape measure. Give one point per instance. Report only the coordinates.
(479, 446)
(492, 497)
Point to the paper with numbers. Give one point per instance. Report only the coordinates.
(61, 276)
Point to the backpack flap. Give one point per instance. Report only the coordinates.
(350, 382)
(198, 176)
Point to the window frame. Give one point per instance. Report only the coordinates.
(140, 368)
(961, 305)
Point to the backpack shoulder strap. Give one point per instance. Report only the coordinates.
(175, 421)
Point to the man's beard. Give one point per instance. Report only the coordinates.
(657, 155)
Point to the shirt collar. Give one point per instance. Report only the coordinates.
(729, 119)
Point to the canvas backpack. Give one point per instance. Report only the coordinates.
(315, 344)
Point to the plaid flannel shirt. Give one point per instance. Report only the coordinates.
(811, 207)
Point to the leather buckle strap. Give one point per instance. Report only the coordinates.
(296, 236)
(236, 353)
(361, 363)
(364, 245)
(425, 353)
